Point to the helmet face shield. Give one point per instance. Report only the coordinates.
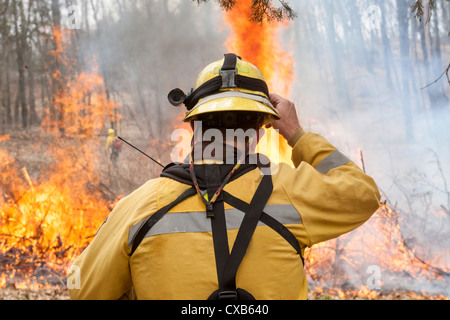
(230, 84)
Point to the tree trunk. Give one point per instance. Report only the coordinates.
(101, 59)
(439, 99)
(43, 66)
(31, 98)
(405, 65)
(7, 94)
(6, 89)
(21, 52)
(339, 74)
(56, 108)
(387, 51)
(361, 52)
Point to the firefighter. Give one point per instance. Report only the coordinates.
(221, 230)
(112, 146)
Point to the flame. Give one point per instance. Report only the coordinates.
(4, 137)
(47, 221)
(81, 98)
(260, 45)
(379, 243)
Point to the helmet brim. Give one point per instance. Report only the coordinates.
(233, 104)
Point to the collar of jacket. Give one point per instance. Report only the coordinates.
(203, 172)
(229, 155)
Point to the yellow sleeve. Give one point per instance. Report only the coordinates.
(103, 267)
(331, 193)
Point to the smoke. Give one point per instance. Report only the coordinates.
(147, 48)
(354, 84)
(412, 169)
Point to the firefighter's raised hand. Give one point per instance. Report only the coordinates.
(289, 123)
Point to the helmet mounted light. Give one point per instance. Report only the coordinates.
(176, 97)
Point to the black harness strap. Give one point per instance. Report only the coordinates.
(218, 222)
(267, 220)
(220, 239)
(246, 231)
(153, 219)
(227, 278)
(227, 264)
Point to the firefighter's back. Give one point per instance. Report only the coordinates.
(176, 259)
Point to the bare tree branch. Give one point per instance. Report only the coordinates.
(261, 10)
(418, 8)
(446, 71)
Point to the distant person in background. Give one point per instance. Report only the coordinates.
(113, 146)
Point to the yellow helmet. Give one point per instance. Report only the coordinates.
(111, 132)
(227, 85)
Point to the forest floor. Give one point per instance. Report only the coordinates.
(62, 294)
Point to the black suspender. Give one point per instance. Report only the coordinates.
(153, 219)
(267, 220)
(227, 264)
(227, 272)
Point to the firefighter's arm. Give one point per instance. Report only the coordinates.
(102, 270)
(331, 193)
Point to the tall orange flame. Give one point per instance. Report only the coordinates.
(260, 45)
(45, 222)
(80, 99)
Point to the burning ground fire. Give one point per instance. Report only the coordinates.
(46, 221)
(44, 224)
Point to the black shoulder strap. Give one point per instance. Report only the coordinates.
(227, 269)
(153, 219)
(227, 264)
(178, 172)
(267, 220)
(246, 231)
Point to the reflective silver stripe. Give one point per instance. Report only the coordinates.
(196, 221)
(334, 160)
(284, 213)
